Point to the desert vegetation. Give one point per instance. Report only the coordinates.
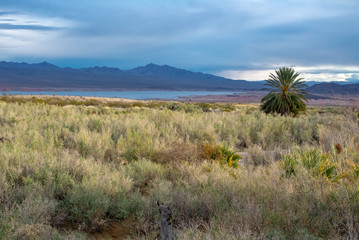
(68, 169)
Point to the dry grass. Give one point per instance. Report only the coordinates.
(68, 171)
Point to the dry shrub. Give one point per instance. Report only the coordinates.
(66, 138)
(222, 231)
(176, 152)
(328, 137)
(338, 148)
(34, 232)
(144, 172)
(209, 151)
(343, 132)
(111, 155)
(44, 232)
(35, 209)
(257, 156)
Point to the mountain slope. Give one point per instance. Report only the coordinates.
(150, 77)
(334, 88)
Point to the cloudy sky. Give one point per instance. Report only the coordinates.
(238, 39)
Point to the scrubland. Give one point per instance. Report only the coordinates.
(67, 169)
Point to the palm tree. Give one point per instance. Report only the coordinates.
(286, 94)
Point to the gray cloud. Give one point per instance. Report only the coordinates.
(5, 13)
(7, 20)
(27, 27)
(353, 78)
(204, 35)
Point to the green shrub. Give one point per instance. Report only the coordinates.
(122, 206)
(95, 125)
(221, 153)
(316, 162)
(87, 207)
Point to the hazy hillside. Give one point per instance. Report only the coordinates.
(334, 88)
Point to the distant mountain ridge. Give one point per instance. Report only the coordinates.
(334, 88)
(17, 76)
(47, 76)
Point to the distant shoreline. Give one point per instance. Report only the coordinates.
(253, 97)
(17, 89)
(137, 95)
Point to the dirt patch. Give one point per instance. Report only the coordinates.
(115, 230)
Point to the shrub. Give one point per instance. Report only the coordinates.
(288, 164)
(87, 207)
(221, 153)
(95, 125)
(316, 162)
(257, 156)
(176, 152)
(144, 172)
(33, 232)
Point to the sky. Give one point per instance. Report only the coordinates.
(237, 39)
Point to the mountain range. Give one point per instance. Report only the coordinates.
(333, 88)
(46, 76)
(17, 76)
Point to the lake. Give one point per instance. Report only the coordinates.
(139, 95)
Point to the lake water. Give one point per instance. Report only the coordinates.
(139, 95)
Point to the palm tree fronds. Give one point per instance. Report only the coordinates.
(286, 94)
